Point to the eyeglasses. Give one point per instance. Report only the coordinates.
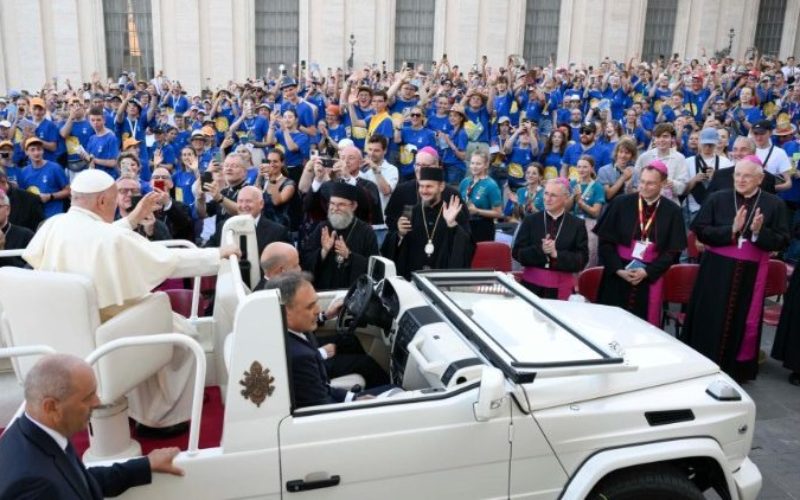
(587, 132)
(128, 191)
(160, 177)
(415, 115)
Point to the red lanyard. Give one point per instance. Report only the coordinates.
(644, 228)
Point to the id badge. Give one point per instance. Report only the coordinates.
(639, 248)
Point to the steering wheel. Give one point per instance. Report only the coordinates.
(355, 305)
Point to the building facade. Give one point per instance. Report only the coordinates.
(206, 43)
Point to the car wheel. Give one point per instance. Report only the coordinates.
(648, 483)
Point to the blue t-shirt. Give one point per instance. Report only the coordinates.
(485, 195)
(254, 128)
(419, 139)
(575, 151)
(304, 111)
(518, 162)
(481, 116)
(619, 102)
(592, 193)
(294, 158)
(49, 132)
(400, 106)
(552, 164)
(530, 203)
(79, 136)
(338, 133)
(105, 147)
(136, 129)
(183, 180)
(438, 123)
(694, 102)
(181, 141)
(168, 154)
(179, 105)
(49, 178)
(461, 141)
(792, 149)
(357, 134)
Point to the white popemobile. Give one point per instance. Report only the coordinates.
(505, 395)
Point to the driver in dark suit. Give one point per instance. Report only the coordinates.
(309, 374)
(36, 458)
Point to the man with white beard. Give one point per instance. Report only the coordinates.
(338, 250)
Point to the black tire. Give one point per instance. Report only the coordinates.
(647, 483)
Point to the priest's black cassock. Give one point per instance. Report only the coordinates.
(431, 244)
(618, 230)
(334, 272)
(786, 347)
(723, 320)
(551, 278)
(406, 194)
(723, 179)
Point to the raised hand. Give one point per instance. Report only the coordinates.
(740, 219)
(450, 211)
(758, 221)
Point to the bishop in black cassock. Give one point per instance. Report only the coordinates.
(646, 222)
(432, 242)
(724, 316)
(550, 267)
(340, 265)
(786, 347)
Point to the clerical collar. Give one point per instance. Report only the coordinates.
(650, 203)
(754, 193)
(553, 216)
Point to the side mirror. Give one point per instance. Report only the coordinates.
(491, 394)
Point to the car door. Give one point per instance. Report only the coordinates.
(427, 446)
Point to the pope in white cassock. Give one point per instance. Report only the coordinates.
(124, 267)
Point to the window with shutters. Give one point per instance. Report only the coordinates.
(659, 29)
(541, 31)
(413, 32)
(277, 38)
(769, 26)
(129, 37)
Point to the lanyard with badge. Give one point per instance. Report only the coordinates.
(132, 127)
(641, 246)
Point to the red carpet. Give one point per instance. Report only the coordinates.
(210, 428)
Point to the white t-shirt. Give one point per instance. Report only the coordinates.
(390, 174)
(778, 162)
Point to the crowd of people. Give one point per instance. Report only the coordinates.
(607, 165)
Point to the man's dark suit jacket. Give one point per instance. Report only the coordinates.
(16, 237)
(26, 209)
(723, 179)
(267, 231)
(34, 467)
(178, 220)
(309, 376)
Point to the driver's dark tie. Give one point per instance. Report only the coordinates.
(312, 340)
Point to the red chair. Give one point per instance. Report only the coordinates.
(492, 255)
(589, 282)
(777, 276)
(678, 285)
(171, 284)
(692, 252)
(181, 302)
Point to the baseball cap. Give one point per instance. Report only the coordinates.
(33, 140)
(5, 124)
(129, 142)
(198, 134)
(503, 119)
(762, 126)
(6, 144)
(37, 101)
(709, 136)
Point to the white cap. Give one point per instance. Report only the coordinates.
(5, 124)
(91, 181)
(345, 143)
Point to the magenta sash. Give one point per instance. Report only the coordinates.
(748, 350)
(656, 290)
(564, 282)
